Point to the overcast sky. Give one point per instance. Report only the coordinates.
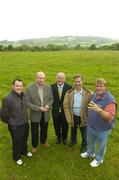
(22, 19)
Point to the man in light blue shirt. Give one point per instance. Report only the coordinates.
(77, 102)
(76, 111)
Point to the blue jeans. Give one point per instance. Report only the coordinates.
(95, 137)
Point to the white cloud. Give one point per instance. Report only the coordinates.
(21, 19)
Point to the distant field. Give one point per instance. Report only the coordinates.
(59, 161)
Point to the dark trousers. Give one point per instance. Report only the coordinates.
(35, 131)
(19, 135)
(83, 131)
(60, 126)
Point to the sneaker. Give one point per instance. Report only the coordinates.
(95, 163)
(29, 154)
(85, 155)
(19, 162)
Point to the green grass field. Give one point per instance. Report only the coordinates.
(59, 161)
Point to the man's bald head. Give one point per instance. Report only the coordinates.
(40, 78)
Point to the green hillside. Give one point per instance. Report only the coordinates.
(67, 40)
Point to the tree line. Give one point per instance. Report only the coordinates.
(55, 47)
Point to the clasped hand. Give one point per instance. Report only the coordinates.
(44, 109)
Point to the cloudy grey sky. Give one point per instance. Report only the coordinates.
(22, 19)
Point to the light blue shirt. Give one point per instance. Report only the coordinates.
(77, 102)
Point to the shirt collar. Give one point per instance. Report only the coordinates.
(17, 94)
(78, 92)
(39, 86)
(60, 85)
(100, 97)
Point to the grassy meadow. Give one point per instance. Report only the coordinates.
(59, 161)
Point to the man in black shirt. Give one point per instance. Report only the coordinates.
(17, 120)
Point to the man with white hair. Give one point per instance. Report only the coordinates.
(39, 99)
(59, 89)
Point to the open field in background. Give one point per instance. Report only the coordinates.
(59, 161)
